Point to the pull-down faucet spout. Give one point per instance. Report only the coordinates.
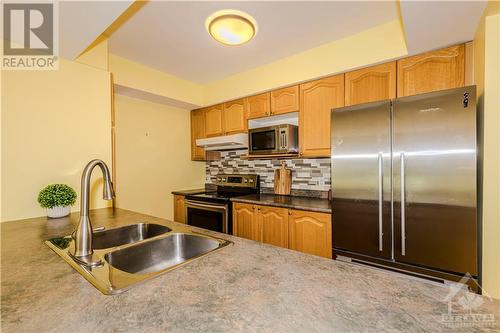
(83, 233)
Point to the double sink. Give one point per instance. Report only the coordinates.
(134, 253)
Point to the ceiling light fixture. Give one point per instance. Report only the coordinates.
(231, 27)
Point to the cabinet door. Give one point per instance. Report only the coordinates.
(179, 209)
(310, 232)
(259, 106)
(214, 120)
(197, 132)
(370, 84)
(245, 223)
(431, 71)
(235, 117)
(274, 222)
(317, 98)
(285, 100)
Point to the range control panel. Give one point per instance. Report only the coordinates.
(237, 180)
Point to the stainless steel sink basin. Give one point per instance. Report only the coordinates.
(160, 254)
(135, 253)
(128, 234)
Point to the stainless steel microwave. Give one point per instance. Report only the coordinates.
(278, 139)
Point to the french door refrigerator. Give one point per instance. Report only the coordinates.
(404, 183)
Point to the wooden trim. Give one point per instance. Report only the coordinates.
(113, 134)
(469, 64)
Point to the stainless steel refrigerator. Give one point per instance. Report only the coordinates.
(404, 183)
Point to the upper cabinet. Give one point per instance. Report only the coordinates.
(197, 132)
(370, 84)
(235, 117)
(431, 71)
(259, 105)
(317, 98)
(285, 100)
(214, 120)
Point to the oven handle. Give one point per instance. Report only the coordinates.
(200, 205)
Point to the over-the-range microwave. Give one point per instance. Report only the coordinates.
(278, 139)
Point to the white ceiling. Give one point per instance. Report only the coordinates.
(434, 24)
(171, 36)
(81, 22)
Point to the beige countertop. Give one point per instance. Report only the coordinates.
(247, 286)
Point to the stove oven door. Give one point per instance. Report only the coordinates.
(208, 215)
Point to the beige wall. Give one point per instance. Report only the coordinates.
(53, 123)
(153, 156)
(487, 77)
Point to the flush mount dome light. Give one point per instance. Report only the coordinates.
(231, 27)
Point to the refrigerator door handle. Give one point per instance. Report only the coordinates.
(380, 200)
(403, 205)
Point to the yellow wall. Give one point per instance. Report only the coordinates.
(53, 123)
(153, 156)
(137, 76)
(374, 45)
(97, 55)
(487, 77)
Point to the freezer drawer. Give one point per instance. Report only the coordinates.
(434, 183)
(361, 179)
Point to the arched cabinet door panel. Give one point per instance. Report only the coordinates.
(432, 71)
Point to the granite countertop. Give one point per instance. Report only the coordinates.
(188, 192)
(303, 203)
(246, 286)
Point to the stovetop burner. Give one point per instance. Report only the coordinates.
(229, 186)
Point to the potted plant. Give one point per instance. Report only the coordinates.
(58, 199)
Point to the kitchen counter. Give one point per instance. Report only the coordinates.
(246, 286)
(285, 201)
(188, 192)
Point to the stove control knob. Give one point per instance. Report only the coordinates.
(219, 179)
(245, 180)
(223, 179)
(250, 180)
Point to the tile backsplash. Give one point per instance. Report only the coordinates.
(307, 174)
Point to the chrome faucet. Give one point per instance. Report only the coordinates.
(83, 233)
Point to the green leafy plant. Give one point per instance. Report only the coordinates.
(56, 195)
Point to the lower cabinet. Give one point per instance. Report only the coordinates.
(244, 222)
(274, 224)
(299, 230)
(310, 232)
(179, 209)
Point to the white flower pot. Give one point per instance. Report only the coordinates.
(58, 211)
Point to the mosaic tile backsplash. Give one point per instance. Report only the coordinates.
(307, 174)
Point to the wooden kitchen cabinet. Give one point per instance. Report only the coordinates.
(432, 71)
(310, 232)
(214, 120)
(245, 223)
(300, 230)
(370, 84)
(235, 117)
(285, 100)
(259, 106)
(197, 132)
(274, 224)
(179, 209)
(317, 98)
